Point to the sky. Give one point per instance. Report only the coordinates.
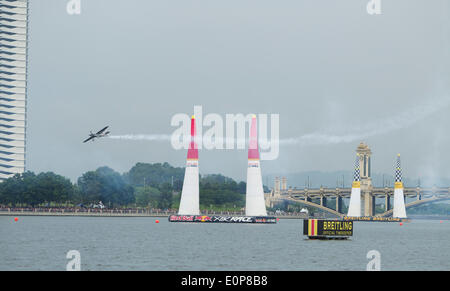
(334, 74)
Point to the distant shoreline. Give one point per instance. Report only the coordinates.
(134, 213)
(124, 213)
(86, 214)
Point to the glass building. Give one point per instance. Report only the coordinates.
(13, 86)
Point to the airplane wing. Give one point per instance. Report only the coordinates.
(91, 137)
(102, 130)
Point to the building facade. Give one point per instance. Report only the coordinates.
(13, 85)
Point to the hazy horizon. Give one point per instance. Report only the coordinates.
(335, 75)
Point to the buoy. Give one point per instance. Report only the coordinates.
(401, 223)
(157, 221)
(15, 219)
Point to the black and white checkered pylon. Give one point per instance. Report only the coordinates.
(398, 170)
(356, 176)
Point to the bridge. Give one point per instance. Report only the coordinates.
(323, 198)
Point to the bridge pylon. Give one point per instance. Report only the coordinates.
(365, 154)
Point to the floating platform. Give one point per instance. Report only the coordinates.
(327, 229)
(375, 218)
(222, 219)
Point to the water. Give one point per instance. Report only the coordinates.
(134, 243)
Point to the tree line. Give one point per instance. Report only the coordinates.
(155, 185)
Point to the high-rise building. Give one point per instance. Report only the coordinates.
(13, 86)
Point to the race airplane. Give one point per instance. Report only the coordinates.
(100, 133)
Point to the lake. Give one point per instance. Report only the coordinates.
(138, 243)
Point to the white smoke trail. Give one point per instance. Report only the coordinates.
(167, 137)
(400, 121)
(150, 137)
(325, 137)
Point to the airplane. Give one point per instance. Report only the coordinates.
(100, 133)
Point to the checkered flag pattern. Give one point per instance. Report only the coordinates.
(398, 171)
(356, 176)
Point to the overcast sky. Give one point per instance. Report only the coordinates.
(335, 75)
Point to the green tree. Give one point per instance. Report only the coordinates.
(53, 188)
(90, 187)
(166, 196)
(106, 185)
(147, 196)
(143, 174)
(29, 189)
(20, 189)
(218, 191)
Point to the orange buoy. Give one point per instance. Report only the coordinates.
(401, 223)
(157, 221)
(16, 219)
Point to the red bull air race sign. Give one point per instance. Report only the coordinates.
(221, 219)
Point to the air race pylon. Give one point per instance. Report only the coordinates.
(254, 201)
(399, 198)
(189, 204)
(354, 208)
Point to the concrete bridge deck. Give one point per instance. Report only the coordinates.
(324, 195)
